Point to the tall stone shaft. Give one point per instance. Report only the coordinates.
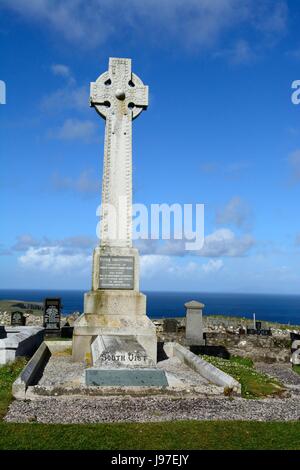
(118, 96)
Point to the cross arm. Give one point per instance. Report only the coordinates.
(98, 95)
(138, 95)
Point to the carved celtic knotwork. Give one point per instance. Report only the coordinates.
(119, 90)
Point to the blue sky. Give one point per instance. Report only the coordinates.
(220, 129)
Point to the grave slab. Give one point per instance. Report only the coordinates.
(126, 377)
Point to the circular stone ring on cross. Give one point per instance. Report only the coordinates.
(120, 94)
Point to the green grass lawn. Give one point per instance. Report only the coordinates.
(8, 374)
(296, 368)
(212, 435)
(254, 384)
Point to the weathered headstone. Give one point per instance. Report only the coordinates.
(294, 336)
(260, 332)
(66, 331)
(18, 318)
(251, 331)
(295, 359)
(3, 333)
(170, 325)
(52, 314)
(193, 323)
(295, 345)
(114, 306)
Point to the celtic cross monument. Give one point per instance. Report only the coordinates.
(119, 96)
(114, 309)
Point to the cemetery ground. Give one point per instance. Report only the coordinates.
(178, 435)
(266, 419)
(8, 373)
(171, 435)
(296, 368)
(254, 384)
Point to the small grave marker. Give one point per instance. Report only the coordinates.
(52, 313)
(170, 325)
(17, 318)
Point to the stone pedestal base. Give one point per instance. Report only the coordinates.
(117, 313)
(89, 325)
(115, 303)
(116, 310)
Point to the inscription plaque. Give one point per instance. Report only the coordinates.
(116, 272)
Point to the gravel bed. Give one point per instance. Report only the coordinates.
(282, 372)
(60, 370)
(143, 409)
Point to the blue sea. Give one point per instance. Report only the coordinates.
(268, 307)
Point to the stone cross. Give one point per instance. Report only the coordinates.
(119, 96)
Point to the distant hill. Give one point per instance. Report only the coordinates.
(33, 308)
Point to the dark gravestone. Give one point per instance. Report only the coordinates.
(294, 336)
(66, 331)
(265, 332)
(17, 318)
(216, 351)
(258, 325)
(251, 331)
(161, 353)
(170, 325)
(52, 313)
(3, 333)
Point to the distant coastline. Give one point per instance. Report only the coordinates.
(284, 309)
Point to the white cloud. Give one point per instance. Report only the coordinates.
(224, 242)
(151, 265)
(73, 244)
(213, 266)
(58, 256)
(232, 171)
(24, 241)
(61, 70)
(240, 53)
(75, 129)
(271, 17)
(54, 258)
(235, 212)
(174, 268)
(70, 97)
(193, 23)
(86, 183)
